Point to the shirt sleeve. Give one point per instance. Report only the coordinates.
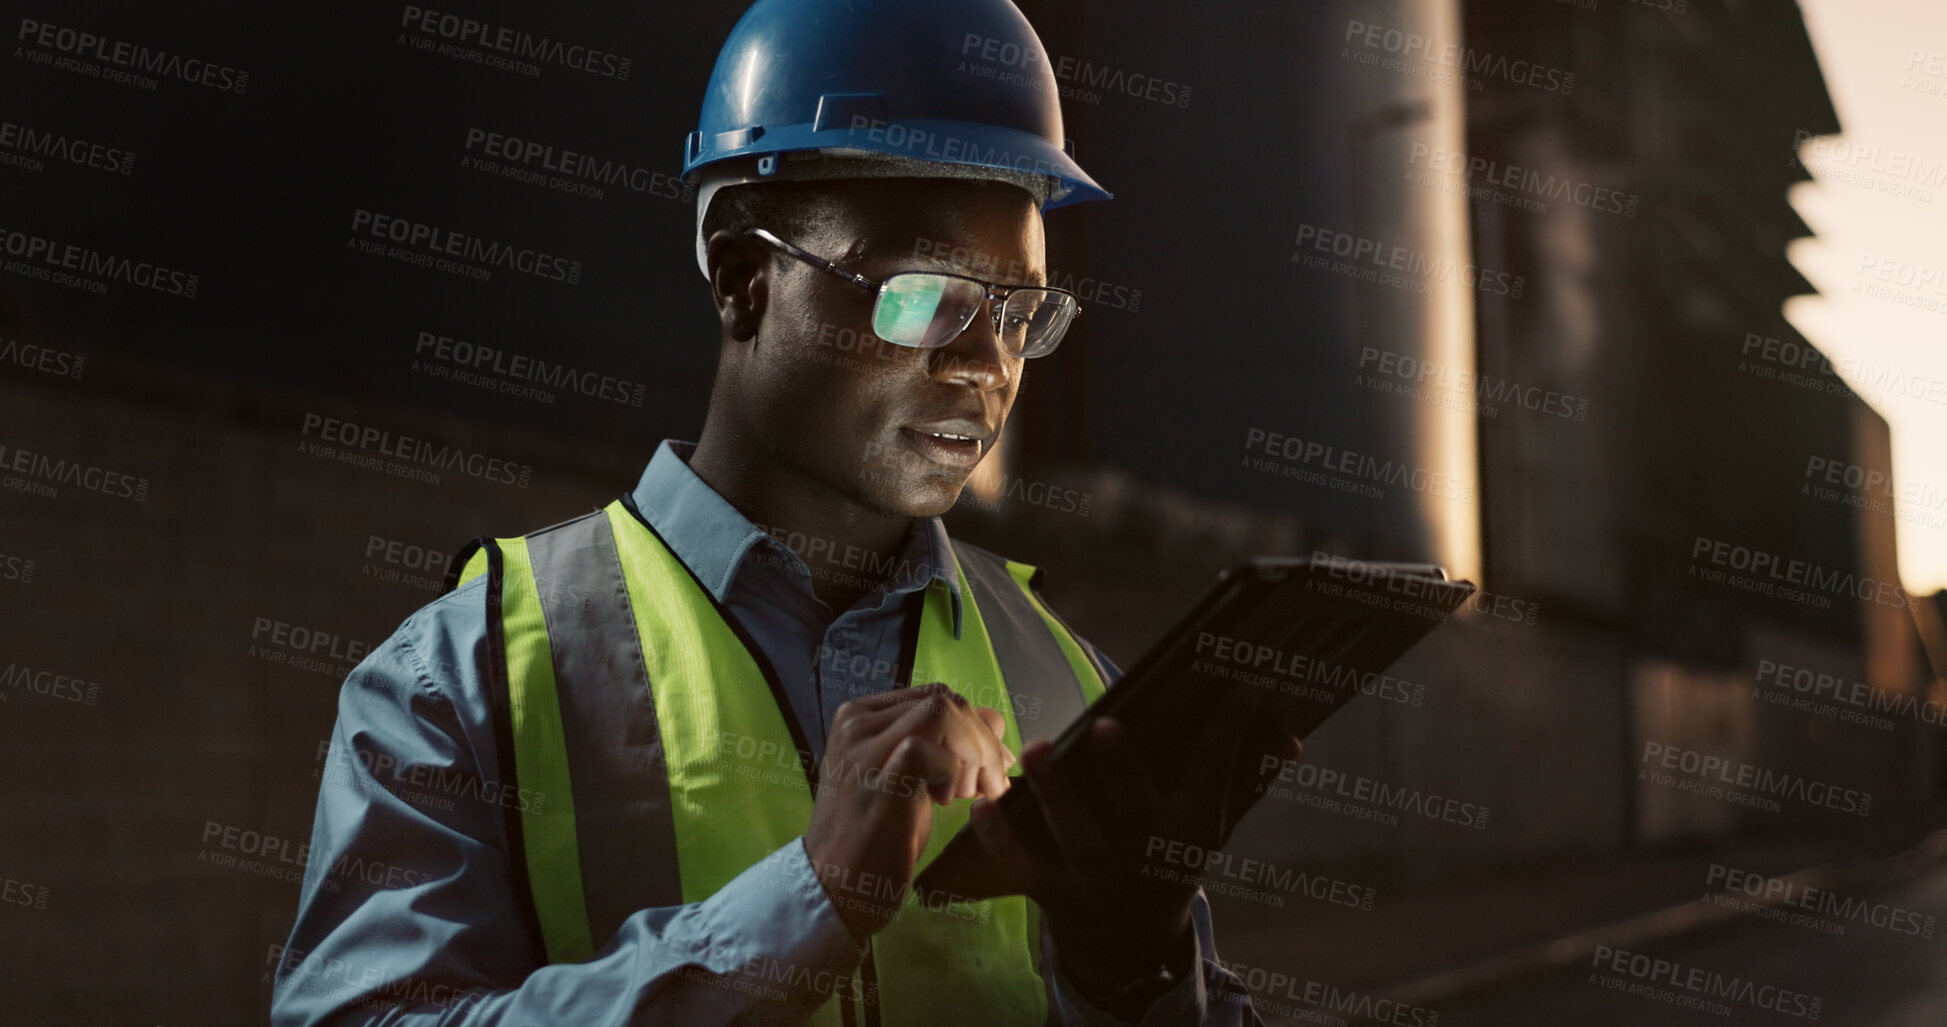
(411, 912)
(1210, 997)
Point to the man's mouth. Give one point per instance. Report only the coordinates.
(957, 449)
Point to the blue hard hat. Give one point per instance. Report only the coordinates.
(962, 82)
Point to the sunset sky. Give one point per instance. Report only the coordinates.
(1879, 209)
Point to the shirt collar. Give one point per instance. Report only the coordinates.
(713, 538)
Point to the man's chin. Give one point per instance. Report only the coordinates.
(925, 496)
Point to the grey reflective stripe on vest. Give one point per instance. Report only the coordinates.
(615, 754)
(623, 825)
(1042, 685)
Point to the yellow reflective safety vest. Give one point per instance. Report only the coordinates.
(671, 762)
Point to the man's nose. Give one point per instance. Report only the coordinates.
(975, 356)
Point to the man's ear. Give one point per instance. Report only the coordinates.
(740, 281)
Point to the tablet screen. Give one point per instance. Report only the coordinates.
(1304, 635)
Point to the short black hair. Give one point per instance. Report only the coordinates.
(794, 211)
(797, 212)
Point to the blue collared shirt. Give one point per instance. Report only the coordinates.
(410, 903)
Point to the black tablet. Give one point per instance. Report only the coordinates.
(1305, 634)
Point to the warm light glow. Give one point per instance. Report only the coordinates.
(1455, 445)
(1879, 208)
(990, 474)
(747, 78)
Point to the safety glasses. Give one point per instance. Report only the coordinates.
(929, 309)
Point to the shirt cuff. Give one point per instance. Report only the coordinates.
(777, 914)
(1183, 1004)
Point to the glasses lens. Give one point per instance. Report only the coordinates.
(925, 310)
(1033, 321)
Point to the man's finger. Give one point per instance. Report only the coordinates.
(883, 731)
(916, 761)
(994, 782)
(996, 722)
(863, 718)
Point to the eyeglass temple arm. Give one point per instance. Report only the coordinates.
(815, 261)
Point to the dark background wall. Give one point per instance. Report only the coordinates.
(195, 719)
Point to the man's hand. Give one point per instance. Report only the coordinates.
(887, 755)
(1115, 912)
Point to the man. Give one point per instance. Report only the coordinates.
(655, 764)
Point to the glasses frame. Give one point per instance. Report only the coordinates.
(997, 293)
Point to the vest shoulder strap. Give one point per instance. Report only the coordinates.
(1026, 623)
(472, 559)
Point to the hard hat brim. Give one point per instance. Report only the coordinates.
(960, 144)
